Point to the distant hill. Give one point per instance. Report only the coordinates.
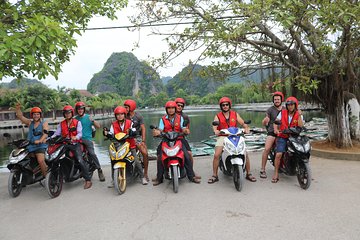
(124, 74)
(165, 80)
(20, 84)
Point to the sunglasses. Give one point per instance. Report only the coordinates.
(225, 105)
(180, 105)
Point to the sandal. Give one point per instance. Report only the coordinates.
(274, 180)
(195, 180)
(263, 174)
(250, 177)
(213, 179)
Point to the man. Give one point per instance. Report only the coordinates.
(72, 128)
(87, 123)
(180, 102)
(172, 122)
(289, 117)
(268, 122)
(140, 138)
(227, 118)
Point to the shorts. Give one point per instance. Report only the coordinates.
(220, 141)
(271, 134)
(138, 140)
(281, 144)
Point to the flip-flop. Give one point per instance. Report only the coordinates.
(274, 180)
(213, 179)
(250, 177)
(263, 174)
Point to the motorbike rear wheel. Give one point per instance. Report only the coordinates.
(53, 183)
(14, 187)
(238, 176)
(120, 180)
(175, 177)
(304, 174)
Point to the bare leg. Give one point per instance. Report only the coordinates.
(218, 151)
(268, 145)
(144, 152)
(41, 160)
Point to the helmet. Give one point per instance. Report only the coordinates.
(292, 100)
(170, 104)
(278, 94)
(180, 100)
(223, 100)
(35, 110)
(119, 110)
(79, 105)
(131, 103)
(68, 108)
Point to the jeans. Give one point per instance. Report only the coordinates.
(91, 152)
(76, 149)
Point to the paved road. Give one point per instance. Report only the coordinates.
(330, 209)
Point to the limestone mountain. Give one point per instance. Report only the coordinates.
(124, 74)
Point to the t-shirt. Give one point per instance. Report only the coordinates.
(86, 126)
(137, 120)
(272, 113)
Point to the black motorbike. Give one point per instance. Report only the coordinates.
(24, 168)
(295, 161)
(62, 165)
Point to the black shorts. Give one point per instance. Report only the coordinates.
(271, 134)
(186, 144)
(42, 150)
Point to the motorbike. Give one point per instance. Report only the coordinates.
(62, 165)
(233, 158)
(122, 159)
(295, 161)
(24, 168)
(173, 158)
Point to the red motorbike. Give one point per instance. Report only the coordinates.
(62, 165)
(173, 158)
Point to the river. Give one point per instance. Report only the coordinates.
(200, 129)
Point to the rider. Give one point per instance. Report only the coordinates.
(121, 124)
(180, 102)
(172, 122)
(268, 122)
(289, 117)
(138, 122)
(72, 128)
(227, 118)
(37, 134)
(87, 123)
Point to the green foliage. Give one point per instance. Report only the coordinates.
(37, 37)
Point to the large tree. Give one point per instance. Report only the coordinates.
(38, 36)
(317, 41)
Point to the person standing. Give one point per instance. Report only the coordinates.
(87, 128)
(227, 118)
(140, 138)
(268, 122)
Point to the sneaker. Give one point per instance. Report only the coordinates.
(87, 184)
(101, 175)
(111, 185)
(144, 181)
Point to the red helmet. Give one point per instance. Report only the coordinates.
(180, 100)
(119, 110)
(278, 94)
(68, 108)
(223, 100)
(35, 110)
(170, 104)
(131, 103)
(79, 105)
(292, 100)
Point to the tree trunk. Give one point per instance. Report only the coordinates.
(353, 108)
(54, 114)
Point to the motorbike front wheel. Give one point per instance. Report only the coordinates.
(53, 183)
(304, 174)
(14, 186)
(238, 175)
(175, 178)
(120, 180)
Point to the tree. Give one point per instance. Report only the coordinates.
(37, 37)
(317, 41)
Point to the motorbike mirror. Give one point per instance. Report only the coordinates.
(185, 123)
(7, 135)
(215, 123)
(247, 122)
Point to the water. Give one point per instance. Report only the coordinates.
(200, 129)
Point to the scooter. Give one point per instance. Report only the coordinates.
(233, 158)
(295, 161)
(122, 160)
(62, 165)
(24, 168)
(173, 158)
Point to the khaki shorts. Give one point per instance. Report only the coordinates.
(220, 141)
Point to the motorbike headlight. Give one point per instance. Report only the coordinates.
(240, 147)
(307, 146)
(172, 152)
(121, 153)
(229, 147)
(14, 158)
(298, 147)
(112, 153)
(55, 154)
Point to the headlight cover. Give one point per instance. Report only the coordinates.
(171, 152)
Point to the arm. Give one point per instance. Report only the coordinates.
(44, 136)
(266, 120)
(276, 127)
(185, 129)
(300, 122)
(78, 131)
(95, 123)
(243, 124)
(143, 132)
(215, 130)
(20, 115)
(157, 132)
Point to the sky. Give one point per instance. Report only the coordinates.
(96, 46)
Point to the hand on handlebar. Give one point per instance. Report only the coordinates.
(156, 132)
